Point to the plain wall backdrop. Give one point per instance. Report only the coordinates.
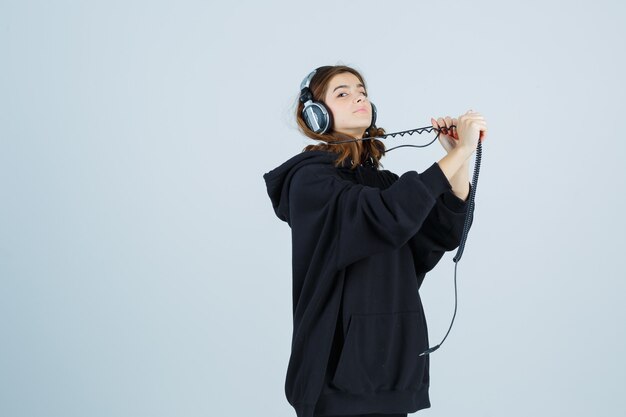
(143, 271)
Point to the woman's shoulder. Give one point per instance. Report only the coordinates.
(316, 161)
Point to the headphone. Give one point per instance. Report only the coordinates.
(317, 117)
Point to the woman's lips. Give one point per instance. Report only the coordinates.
(362, 109)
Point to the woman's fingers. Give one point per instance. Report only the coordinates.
(434, 123)
(445, 124)
(473, 114)
(449, 126)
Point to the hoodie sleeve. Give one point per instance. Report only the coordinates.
(441, 232)
(364, 220)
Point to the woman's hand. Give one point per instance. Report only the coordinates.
(448, 137)
(469, 128)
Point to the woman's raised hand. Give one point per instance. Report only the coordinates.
(469, 128)
(448, 135)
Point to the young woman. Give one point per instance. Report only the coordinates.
(363, 239)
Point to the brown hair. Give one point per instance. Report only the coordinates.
(373, 148)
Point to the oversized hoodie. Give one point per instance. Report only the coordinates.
(362, 242)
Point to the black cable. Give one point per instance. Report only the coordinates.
(470, 209)
(419, 130)
(413, 146)
(468, 217)
(434, 348)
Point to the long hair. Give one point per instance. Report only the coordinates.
(373, 148)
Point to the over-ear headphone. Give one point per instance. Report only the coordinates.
(317, 117)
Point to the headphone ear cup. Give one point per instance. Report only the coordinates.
(373, 114)
(317, 117)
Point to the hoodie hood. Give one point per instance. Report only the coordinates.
(279, 179)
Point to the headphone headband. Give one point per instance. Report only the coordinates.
(307, 80)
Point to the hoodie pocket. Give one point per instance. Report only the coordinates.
(381, 353)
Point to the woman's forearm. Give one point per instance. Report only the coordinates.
(460, 181)
(455, 166)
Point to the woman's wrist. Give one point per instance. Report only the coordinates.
(465, 151)
(453, 161)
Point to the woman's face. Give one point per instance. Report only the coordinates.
(347, 100)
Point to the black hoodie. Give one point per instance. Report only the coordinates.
(362, 242)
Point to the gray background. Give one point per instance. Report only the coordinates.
(144, 273)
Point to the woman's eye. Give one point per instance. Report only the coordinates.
(362, 92)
